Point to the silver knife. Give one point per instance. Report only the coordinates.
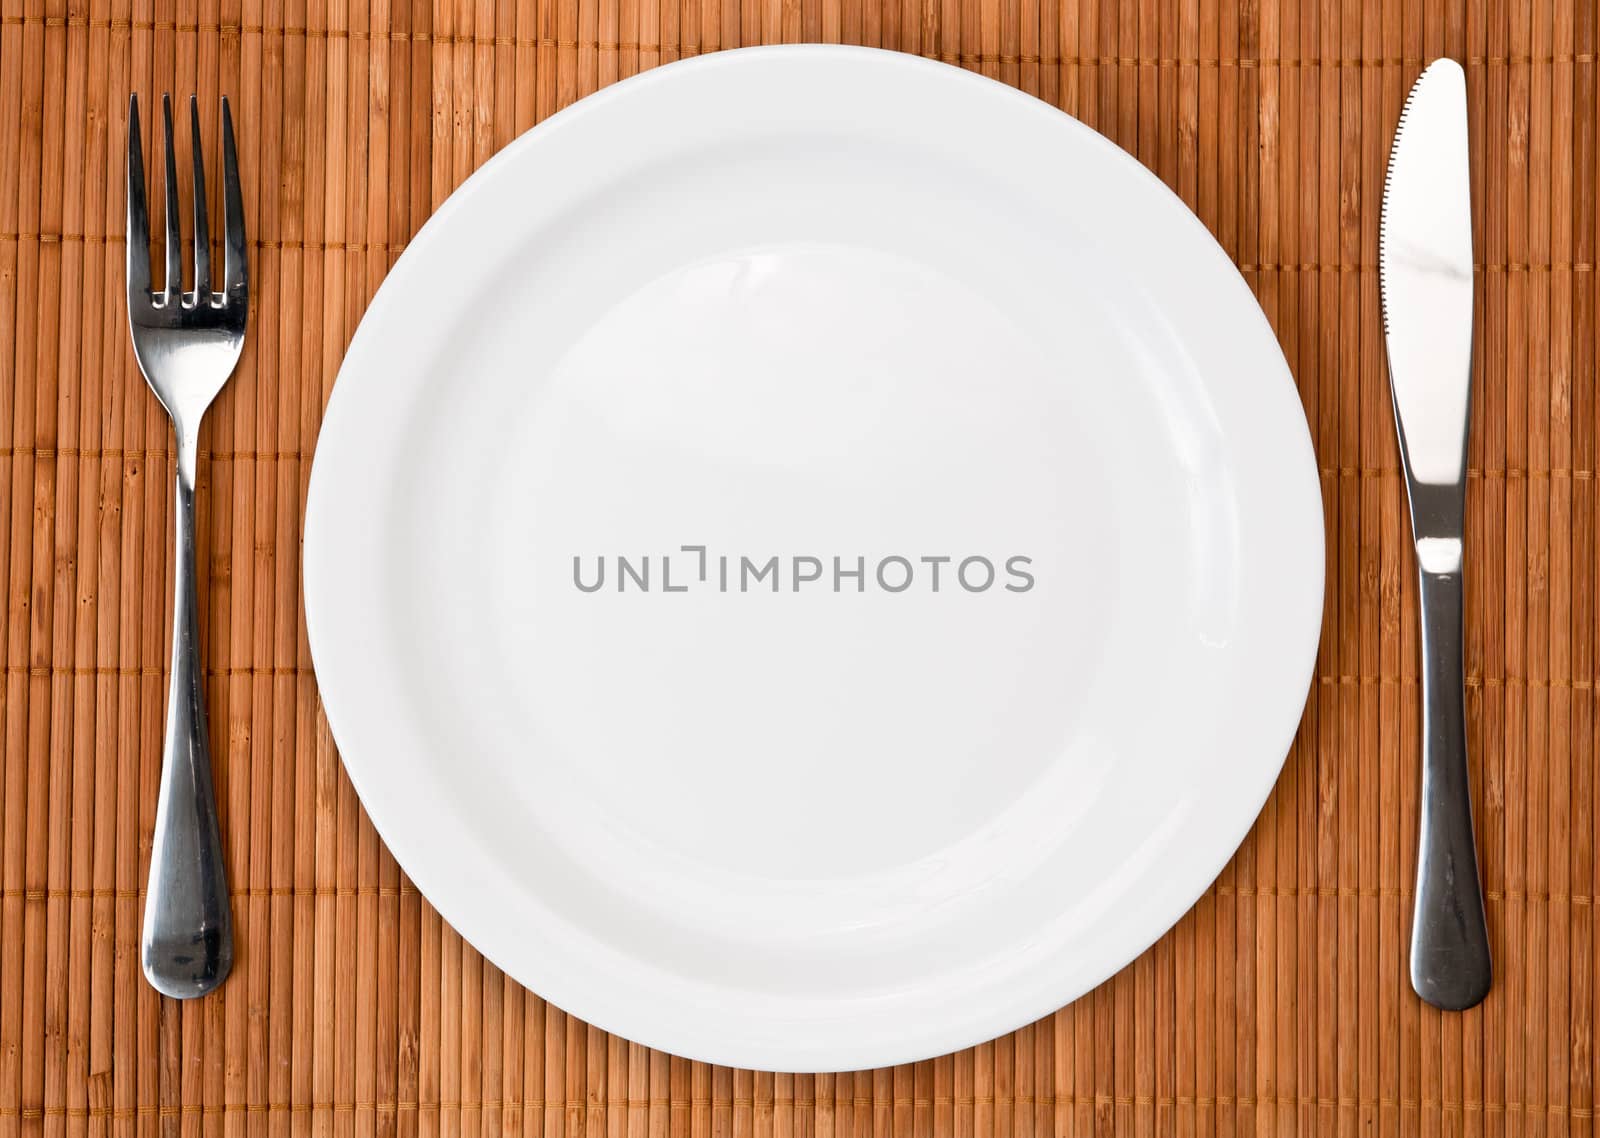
(1425, 274)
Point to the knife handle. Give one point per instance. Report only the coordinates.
(1450, 965)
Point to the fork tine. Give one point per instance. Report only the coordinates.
(235, 274)
(173, 285)
(138, 213)
(202, 232)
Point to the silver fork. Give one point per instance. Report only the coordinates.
(187, 344)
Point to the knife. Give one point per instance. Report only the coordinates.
(1425, 275)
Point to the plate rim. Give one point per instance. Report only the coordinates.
(571, 992)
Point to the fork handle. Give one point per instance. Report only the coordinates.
(187, 945)
(1450, 965)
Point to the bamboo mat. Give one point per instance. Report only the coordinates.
(1278, 1005)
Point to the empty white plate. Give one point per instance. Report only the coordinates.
(814, 559)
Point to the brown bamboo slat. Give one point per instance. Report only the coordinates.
(1278, 1005)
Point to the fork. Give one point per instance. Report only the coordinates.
(187, 344)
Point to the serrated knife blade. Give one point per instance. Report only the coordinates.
(1425, 275)
(1425, 272)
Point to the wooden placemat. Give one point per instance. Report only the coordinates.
(1278, 1005)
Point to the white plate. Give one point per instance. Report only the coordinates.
(813, 303)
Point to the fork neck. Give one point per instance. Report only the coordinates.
(188, 453)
